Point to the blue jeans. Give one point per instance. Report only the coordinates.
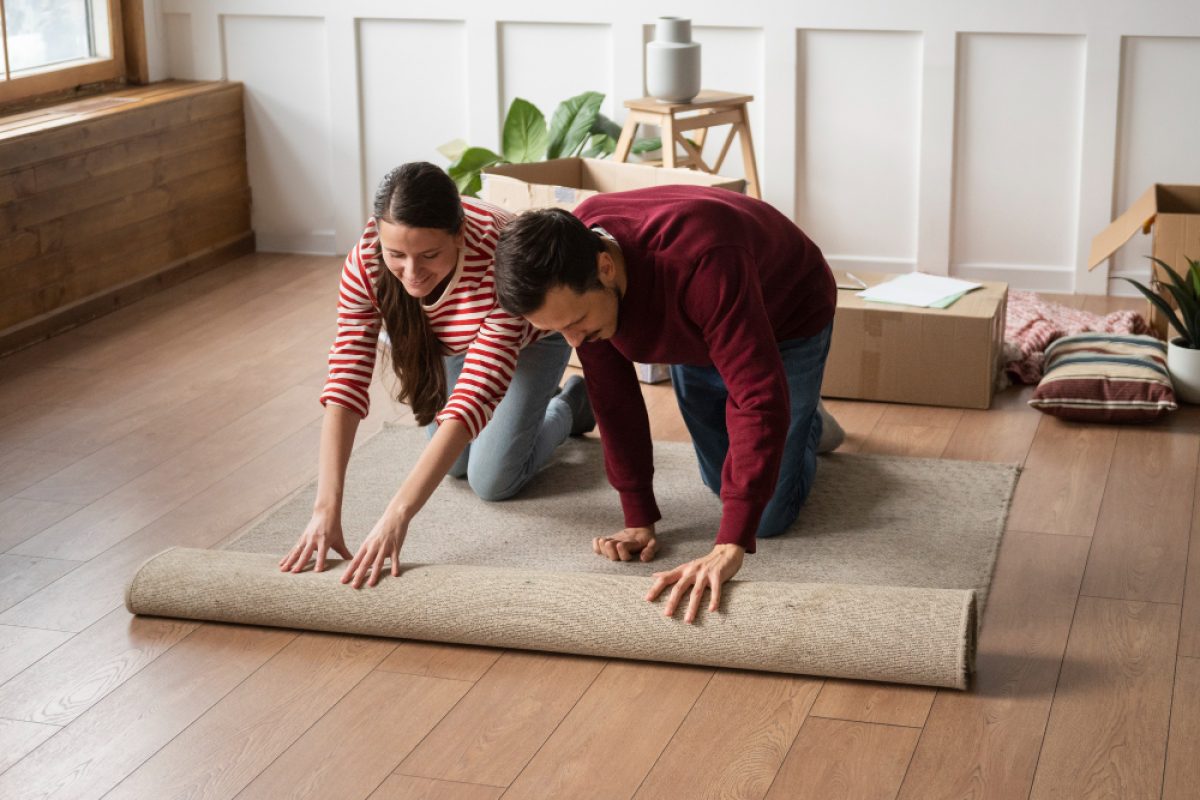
(529, 422)
(702, 395)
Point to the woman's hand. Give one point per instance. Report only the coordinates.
(323, 532)
(628, 543)
(384, 542)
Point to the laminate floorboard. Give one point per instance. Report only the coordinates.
(1063, 482)
(1107, 733)
(504, 720)
(111, 740)
(613, 736)
(1183, 748)
(1152, 565)
(239, 737)
(984, 742)
(833, 759)
(78, 674)
(20, 647)
(734, 739)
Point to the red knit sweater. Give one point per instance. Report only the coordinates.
(713, 278)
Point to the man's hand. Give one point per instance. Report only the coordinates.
(625, 545)
(708, 572)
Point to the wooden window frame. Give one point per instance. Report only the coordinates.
(52, 79)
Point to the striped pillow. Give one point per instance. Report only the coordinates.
(1105, 377)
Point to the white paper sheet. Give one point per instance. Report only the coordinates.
(917, 289)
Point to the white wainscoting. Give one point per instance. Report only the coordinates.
(982, 139)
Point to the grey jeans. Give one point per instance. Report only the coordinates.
(528, 424)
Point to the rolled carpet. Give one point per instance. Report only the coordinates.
(898, 634)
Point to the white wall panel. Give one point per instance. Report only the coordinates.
(177, 30)
(858, 137)
(287, 128)
(548, 63)
(1019, 128)
(1159, 135)
(406, 120)
(731, 60)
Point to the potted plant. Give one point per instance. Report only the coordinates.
(576, 129)
(1183, 351)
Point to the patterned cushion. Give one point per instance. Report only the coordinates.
(1105, 377)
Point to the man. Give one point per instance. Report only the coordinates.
(739, 301)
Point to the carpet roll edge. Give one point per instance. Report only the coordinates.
(970, 633)
(130, 588)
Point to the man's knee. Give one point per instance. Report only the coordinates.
(777, 520)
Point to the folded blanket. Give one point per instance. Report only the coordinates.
(1033, 323)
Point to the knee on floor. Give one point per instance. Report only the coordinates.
(493, 489)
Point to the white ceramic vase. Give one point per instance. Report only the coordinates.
(1184, 365)
(673, 61)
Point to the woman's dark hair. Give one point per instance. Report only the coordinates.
(540, 250)
(416, 195)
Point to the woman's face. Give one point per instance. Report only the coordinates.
(422, 258)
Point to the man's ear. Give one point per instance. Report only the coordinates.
(606, 268)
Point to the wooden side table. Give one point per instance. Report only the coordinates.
(707, 110)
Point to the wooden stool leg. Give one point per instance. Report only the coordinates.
(752, 186)
(668, 140)
(626, 141)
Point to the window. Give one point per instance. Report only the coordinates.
(52, 45)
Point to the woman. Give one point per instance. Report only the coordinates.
(485, 383)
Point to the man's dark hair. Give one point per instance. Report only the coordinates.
(540, 250)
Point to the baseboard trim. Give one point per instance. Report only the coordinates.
(71, 316)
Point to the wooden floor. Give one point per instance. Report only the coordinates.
(177, 420)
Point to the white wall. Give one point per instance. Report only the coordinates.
(984, 139)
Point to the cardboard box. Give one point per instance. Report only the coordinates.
(567, 182)
(927, 356)
(1173, 212)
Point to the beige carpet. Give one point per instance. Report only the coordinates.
(881, 578)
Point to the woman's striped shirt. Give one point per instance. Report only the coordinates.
(466, 318)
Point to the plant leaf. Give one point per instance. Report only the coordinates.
(600, 145)
(572, 123)
(1189, 309)
(1187, 296)
(465, 171)
(453, 149)
(1160, 304)
(605, 125)
(1175, 276)
(524, 138)
(646, 145)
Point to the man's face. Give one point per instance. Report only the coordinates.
(578, 317)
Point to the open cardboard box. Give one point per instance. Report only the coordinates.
(906, 354)
(567, 182)
(1173, 213)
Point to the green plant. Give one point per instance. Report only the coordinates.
(576, 129)
(1186, 293)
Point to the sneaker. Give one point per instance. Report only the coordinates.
(832, 434)
(574, 394)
